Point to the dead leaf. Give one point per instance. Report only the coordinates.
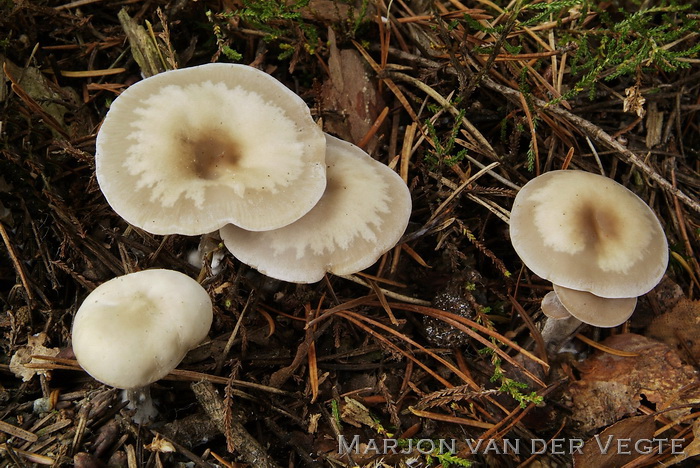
(634, 101)
(23, 356)
(690, 450)
(159, 444)
(609, 448)
(45, 98)
(313, 423)
(612, 387)
(355, 413)
(680, 329)
(351, 95)
(328, 11)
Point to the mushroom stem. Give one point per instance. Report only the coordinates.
(140, 400)
(556, 332)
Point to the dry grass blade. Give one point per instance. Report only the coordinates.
(478, 139)
(15, 431)
(533, 133)
(392, 86)
(16, 263)
(181, 375)
(534, 332)
(29, 456)
(382, 300)
(374, 128)
(313, 364)
(603, 348)
(92, 73)
(313, 372)
(344, 306)
(270, 321)
(459, 190)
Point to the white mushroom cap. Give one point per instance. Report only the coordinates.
(188, 151)
(589, 233)
(134, 329)
(553, 308)
(595, 310)
(362, 214)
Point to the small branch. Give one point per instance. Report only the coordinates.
(386, 292)
(593, 131)
(247, 446)
(16, 263)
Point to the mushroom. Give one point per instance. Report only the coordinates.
(188, 151)
(362, 214)
(560, 325)
(594, 310)
(134, 329)
(553, 308)
(586, 232)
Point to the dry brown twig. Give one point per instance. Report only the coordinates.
(593, 131)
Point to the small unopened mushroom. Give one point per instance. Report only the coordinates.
(188, 151)
(560, 325)
(553, 308)
(134, 329)
(595, 310)
(586, 232)
(362, 214)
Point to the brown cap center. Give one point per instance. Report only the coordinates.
(210, 155)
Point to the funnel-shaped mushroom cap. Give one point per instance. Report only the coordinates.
(362, 214)
(589, 233)
(188, 151)
(134, 329)
(595, 310)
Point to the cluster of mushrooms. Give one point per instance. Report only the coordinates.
(598, 243)
(227, 147)
(224, 147)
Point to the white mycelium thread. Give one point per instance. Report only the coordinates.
(157, 156)
(571, 218)
(362, 214)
